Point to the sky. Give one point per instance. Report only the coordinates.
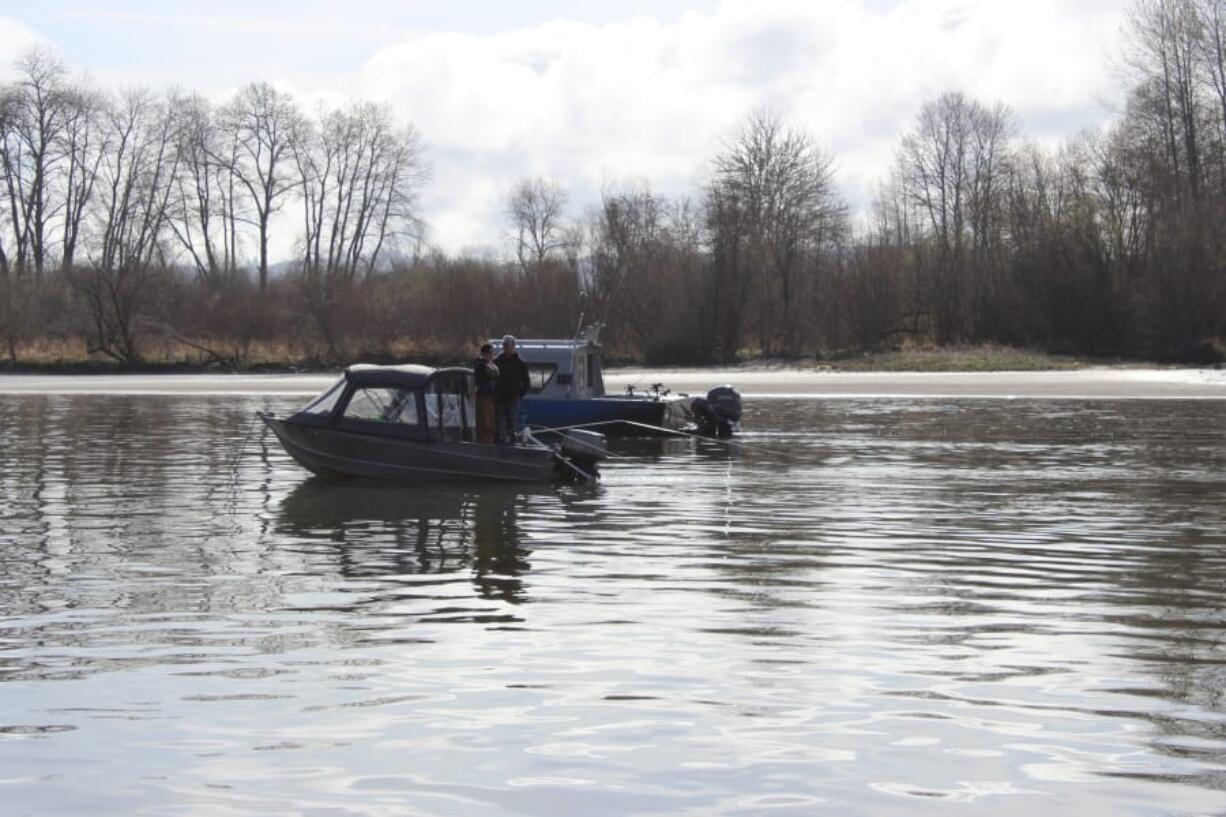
(602, 95)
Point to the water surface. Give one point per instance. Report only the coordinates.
(865, 607)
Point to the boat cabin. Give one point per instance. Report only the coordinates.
(563, 369)
(407, 402)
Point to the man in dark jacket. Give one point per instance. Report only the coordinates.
(512, 385)
(486, 375)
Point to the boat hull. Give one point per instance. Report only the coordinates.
(330, 452)
(615, 416)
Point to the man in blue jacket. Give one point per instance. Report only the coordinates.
(512, 386)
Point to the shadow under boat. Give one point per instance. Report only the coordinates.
(417, 423)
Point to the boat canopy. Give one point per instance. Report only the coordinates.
(415, 402)
(411, 376)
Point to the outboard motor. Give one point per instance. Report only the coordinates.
(719, 413)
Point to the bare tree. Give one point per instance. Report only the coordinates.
(360, 173)
(86, 143)
(139, 179)
(37, 112)
(264, 124)
(644, 269)
(732, 269)
(1170, 148)
(9, 214)
(1165, 38)
(626, 248)
(783, 186)
(953, 164)
(205, 205)
(535, 209)
(1212, 55)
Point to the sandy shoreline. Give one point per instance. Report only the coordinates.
(1094, 383)
(1116, 383)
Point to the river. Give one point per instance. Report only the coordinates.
(866, 605)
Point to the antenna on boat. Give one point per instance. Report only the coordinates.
(574, 346)
(582, 313)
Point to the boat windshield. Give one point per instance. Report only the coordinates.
(383, 404)
(324, 403)
(539, 376)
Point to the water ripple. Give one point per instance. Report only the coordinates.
(858, 607)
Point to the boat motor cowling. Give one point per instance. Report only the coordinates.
(719, 413)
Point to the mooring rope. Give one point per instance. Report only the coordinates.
(234, 460)
(731, 443)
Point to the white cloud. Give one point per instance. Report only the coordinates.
(589, 104)
(14, 39)
(583, 103)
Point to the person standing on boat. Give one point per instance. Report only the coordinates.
(512, 385)
(486, 375)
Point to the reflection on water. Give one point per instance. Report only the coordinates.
(859, 607)
(385, 530)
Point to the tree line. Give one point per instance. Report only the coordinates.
(137, 216)
(1108, 244)
(140, 222)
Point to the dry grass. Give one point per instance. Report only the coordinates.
(71, 355)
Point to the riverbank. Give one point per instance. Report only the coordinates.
(1085, 383)
(67, 360)
(980, 358)
(753, 381)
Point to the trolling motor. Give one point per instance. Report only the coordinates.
(719, 413)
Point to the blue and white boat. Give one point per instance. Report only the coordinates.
(567, 390)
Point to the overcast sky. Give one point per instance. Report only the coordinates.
(602, 92)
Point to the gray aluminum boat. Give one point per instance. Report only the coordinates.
(417, 423)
